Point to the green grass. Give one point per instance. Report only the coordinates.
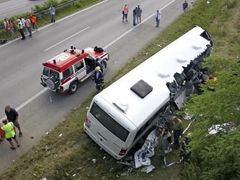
(70, 156)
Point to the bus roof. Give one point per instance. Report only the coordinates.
(156, 72)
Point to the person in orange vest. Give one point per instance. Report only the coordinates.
(10, 133)
(33, 19)
(125, 13)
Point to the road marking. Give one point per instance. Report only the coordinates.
(130, 30)
(107, 46)
(29, 101)
(60, 20)
(66, 39)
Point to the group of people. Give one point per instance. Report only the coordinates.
(9, 126)
(137, 15)
(21, 25)
(25, 25)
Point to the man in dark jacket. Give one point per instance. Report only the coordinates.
(12, 116)
(98, 78)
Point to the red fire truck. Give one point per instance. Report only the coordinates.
(63, 72)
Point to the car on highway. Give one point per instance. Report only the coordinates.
(64, 72)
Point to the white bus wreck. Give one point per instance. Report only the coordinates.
(124, 112)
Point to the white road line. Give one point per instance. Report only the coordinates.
(60, 20)
(65, 39)
(130, 30)
(29, 101)
(107, 46)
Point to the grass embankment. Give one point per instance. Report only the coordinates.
(44, 19)
(70, 156)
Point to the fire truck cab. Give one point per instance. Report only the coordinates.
(63, 72)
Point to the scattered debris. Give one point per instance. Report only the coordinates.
(47, 148)
(127, 172)
(142, 156)
(50, 99)
(148, 169)
(94, 161)
(221, 128)
(188, 116)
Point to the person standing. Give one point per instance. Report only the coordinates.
(28, 26)
(139, 14)
(185, 6)
(20, 28)
(52, 12)
(177, 130)
(125, 13)
(33, 19)
(12, 116)
(157, 18)
(98, 78)
(10, 133)
(134, 16)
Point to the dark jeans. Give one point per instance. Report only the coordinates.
(52, 18)
(22, 33)
(157, 22)
(124, 17)
(29, 29)
(134, 20)
(176, 134)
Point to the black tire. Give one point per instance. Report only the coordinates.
(52, 84)
(73, 87)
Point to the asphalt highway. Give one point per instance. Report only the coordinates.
(9, 8)
(21, 62)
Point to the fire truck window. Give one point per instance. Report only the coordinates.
(78, 66)
(45, 71)
(67, 73)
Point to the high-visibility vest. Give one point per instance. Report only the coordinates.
(9, 130)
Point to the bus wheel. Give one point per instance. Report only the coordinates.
(73, 87)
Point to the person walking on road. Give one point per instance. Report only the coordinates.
(157, 18)
(10, 133)
(20, 28)
(28, 26)
(52, 12)
(139, 14)
(12, 116)
(125, 13)
(134, 16)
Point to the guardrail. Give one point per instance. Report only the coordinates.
(41, 13)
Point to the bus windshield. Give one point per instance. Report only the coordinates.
(109, 123)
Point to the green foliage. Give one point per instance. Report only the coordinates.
(231, 4)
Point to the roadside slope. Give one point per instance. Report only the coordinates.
(70, 155)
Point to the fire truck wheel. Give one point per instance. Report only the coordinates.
(73, 87)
